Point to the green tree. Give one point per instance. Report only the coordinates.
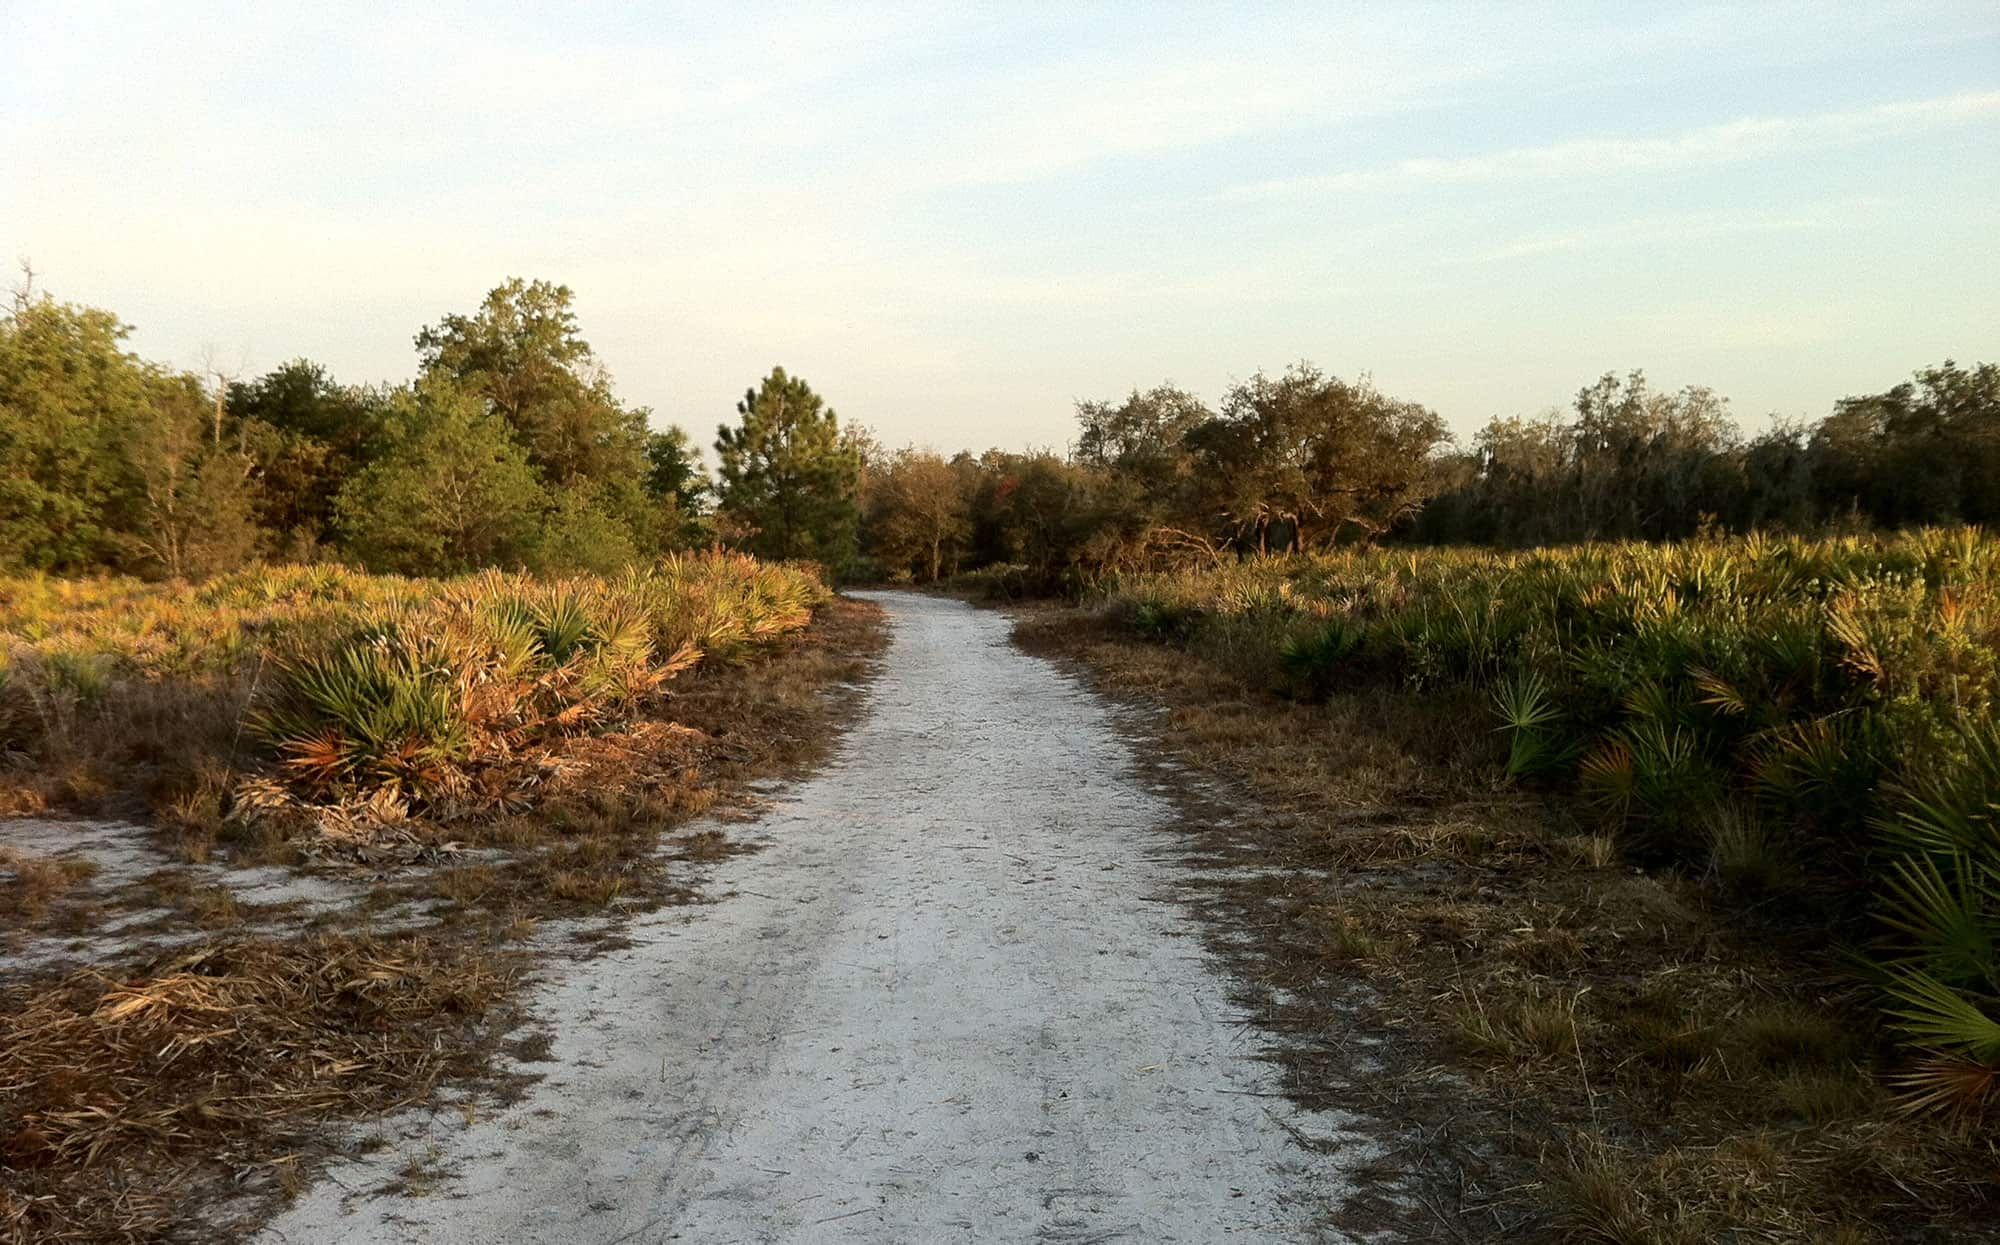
(578, 534)
(522, 352)
(451, 491)
(1649, 464)
(789, 481)
(1141, 452)
(1303, 458)
(1046, 512)
(198, 517)
(1925, 451)
(1144, 440)
(307, 435)
(678, 486)
(918, 516)
(73, 402)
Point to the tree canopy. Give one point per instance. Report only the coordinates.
(521, 351)
(511, 448)
(451, 491)
(788, 481)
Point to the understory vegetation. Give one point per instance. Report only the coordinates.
(1729, 812)
(314, 691)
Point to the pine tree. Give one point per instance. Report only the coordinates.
(788, 479)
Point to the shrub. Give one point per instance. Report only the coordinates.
(361, 685)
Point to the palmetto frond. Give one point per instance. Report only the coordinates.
(1934, 1014)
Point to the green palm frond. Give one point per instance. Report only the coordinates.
(1950, 916)
(1931, 1013)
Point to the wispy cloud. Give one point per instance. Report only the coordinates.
(1657, 231)
(1731, 142)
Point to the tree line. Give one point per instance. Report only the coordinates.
(511, 448)
(1303, 461)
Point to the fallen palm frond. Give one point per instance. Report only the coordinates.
(118, 1092)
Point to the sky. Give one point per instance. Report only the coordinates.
(957, 220)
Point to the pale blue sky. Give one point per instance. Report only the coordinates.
(955, 221)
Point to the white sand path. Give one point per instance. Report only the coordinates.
(951, 999)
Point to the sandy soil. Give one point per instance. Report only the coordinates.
(951, 999)
(132, 924)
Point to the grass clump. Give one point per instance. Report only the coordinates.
(30, 884)
(1525, 1024)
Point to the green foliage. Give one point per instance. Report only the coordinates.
(197, 514)
(1055, 520)
(451, 491)
(307, 435)
(916, 515)
(1160, 621)
(377, 710)
(678, 487)
(788, 481)
(73, 404)
(510, 450)
(1141, 447)
(580, 531)
(1941, 959)
(1528, 713)
(1927, 450)
(1635, 463)
(1311, 661)
(1307, 459)
(521, 351)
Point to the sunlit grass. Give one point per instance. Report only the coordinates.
(1781, 716)
(334, 685)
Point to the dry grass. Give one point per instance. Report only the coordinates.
(1575, 1050)
(594, 839)
(126, 1095)
(30, 885)
(314, 686)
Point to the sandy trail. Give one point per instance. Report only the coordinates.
(951, 999)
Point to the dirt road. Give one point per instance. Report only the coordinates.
(951, 999)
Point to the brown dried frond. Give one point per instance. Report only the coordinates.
(1952, 1084)
(211, 1062)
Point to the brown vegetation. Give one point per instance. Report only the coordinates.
(128, 1094)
